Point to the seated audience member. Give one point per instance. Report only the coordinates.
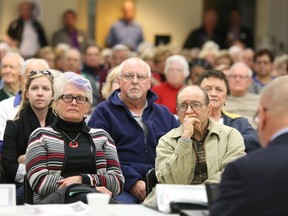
(216, 85)
(280, 65)
(161, 53)
(73, 62)
(26, 32)
(119, 54)
(257, 183)
(10, 74)
(69, 34)
(60, 50)
(197, 67)
(223, 58)
(111, 83)
(68, 151)
(209, 52)
(47, 53)
(106, 58)
(198, 150)
(236, 53)
(126, 31)
(135, 122)
(263, 67)
(10, 106)
(241, 101)
(248, 57)
(176, 71)
(93, 65)
(35, 111)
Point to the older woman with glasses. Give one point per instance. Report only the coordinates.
(68, 152)
(216, 85)
(35, 111)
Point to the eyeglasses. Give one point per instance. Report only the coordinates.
(69, 98)
(44, 72)
(239, 76)
(130, 76)
(194, 106)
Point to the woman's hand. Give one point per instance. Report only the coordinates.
(69, 181)
(103, 189)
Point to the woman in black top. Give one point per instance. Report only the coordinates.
(35, 111)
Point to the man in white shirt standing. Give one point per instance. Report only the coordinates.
(27, 33)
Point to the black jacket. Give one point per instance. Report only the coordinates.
(256, 184)
(16, 138)
(15, 31)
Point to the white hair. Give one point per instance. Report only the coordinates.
(241, 64)
(181, 60)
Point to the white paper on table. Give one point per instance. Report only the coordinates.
(166, 193)
(77, 208)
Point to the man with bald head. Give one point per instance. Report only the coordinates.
(126, 31)
(135, 122)
(257, 183)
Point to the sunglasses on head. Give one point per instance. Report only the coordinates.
(44, 72)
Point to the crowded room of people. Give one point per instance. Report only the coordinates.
(137, 100)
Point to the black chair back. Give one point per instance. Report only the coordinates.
(28, 191)
(150, 180)
(212, 190)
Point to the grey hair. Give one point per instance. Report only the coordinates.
(120, 47)
(146, 66)
(181, 60)
(237, 64)
(33, 62)
(20, 59)
(75, 79)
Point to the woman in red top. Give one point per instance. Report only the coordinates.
(176, 71)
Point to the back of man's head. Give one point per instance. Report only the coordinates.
(275, 96)
(273, 115)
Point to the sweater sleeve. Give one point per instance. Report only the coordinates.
(109, 173)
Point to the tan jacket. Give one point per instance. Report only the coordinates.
(176, 157)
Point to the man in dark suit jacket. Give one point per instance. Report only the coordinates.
(257, 183)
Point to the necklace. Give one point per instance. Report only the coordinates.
(72, 143)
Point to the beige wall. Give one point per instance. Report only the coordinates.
(155, 16)
(176, 18)
(107, 13)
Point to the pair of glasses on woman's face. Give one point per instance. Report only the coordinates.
(44, 72)
(68, 98)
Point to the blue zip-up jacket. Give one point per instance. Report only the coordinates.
(136, 150)
(249, 134)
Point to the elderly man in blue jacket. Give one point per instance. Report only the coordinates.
(135, 123)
